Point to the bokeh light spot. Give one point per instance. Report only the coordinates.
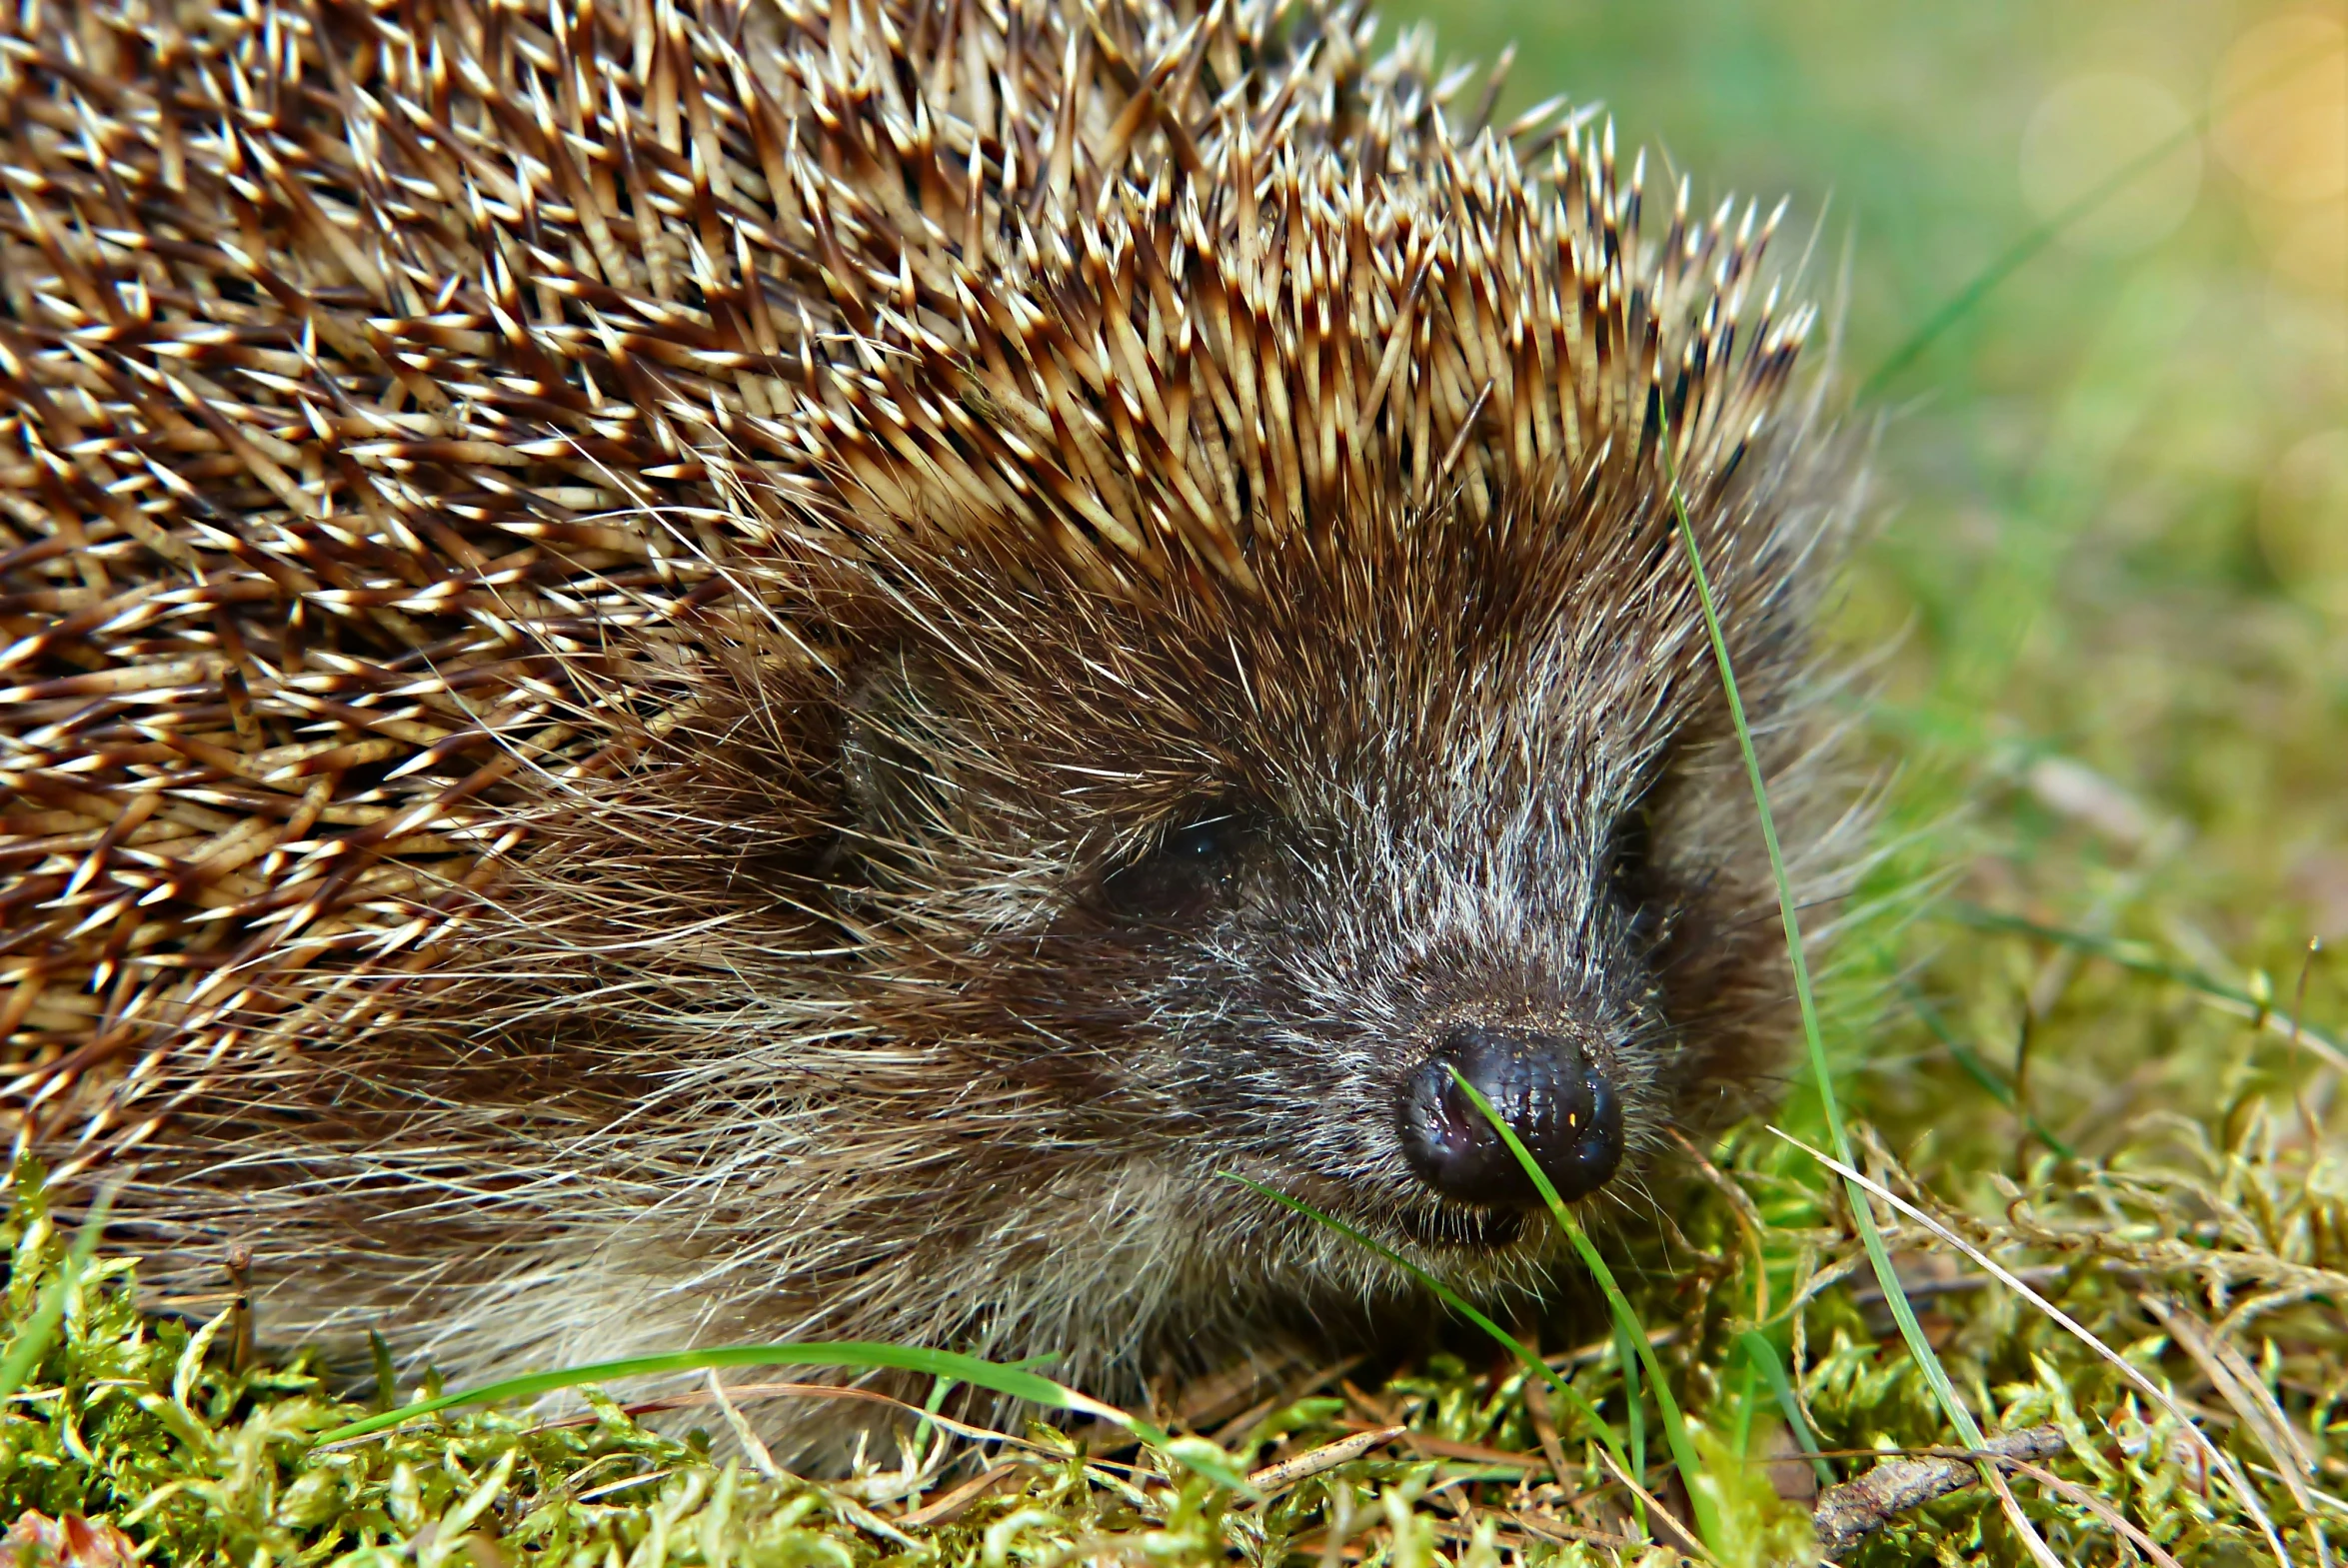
(2089, 128)
(2282, 93)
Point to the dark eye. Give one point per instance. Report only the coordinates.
(1631, 855)
(1183, 873)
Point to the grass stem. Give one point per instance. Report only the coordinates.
(1017, 1382)
(1627, 1328)
(1863, 1215)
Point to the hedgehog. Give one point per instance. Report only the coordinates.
(684, 672)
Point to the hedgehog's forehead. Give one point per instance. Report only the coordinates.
(1403, 720)
(1447, 670)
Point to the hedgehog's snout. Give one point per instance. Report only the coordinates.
(1561, 1107)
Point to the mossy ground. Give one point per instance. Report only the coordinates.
(2114, 580)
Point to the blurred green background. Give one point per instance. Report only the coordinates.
(2110, 556)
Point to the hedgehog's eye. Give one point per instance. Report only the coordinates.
(1183, 873)
(1631, 855)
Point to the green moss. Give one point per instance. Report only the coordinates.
(146, 1421)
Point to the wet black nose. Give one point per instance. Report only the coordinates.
(1562, 1111)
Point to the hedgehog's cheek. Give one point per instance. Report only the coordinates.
(1562, 1107)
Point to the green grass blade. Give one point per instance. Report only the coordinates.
(33, 1344)
(857, 1354)
(1863, 1216)
(1762, 1356)
(1457, 1303)
(939, 1389)
(1635, 1414)
(1626, 1323)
